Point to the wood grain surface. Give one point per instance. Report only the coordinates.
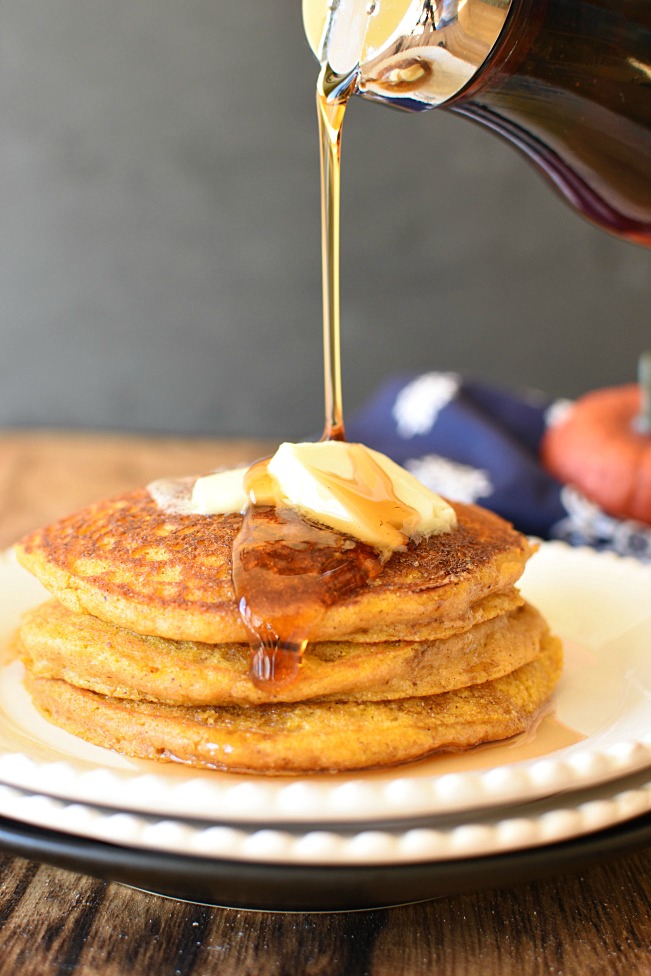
(56, 923)
(44, 476)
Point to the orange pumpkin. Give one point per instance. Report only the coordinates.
(597, 448)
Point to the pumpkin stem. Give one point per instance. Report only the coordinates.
(642, 422)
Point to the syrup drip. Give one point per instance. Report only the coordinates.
(288, 571)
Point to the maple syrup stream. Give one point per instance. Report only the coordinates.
(332, 94)
(286, 570)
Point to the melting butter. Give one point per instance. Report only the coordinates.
(220, 493)
(347, 487)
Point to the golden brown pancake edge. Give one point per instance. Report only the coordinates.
(89, 653)
(306, 737)
(126, 561)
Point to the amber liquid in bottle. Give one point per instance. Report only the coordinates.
(288, 571)
(569, 84)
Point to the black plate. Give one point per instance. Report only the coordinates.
(292, 888)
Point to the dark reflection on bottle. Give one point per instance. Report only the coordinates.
(569, 84)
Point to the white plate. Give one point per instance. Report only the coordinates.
(599, 604)
(544, 822)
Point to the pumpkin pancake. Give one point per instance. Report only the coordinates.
(285, 739)
(55, 642)
(129, 562)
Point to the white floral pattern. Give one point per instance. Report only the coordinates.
(460, 482)
(557, 412)
(587, 525)
(419, 403)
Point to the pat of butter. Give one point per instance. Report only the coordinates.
(354, 489)
(220, 493)
(347, 487)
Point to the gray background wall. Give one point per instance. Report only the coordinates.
(159, 233)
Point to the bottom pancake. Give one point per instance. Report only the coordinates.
(305, 737)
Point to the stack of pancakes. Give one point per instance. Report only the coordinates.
(143, 649)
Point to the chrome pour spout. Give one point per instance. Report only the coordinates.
(414, 54)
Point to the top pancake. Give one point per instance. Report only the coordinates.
(129, 562)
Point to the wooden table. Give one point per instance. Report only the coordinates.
(56, 922)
